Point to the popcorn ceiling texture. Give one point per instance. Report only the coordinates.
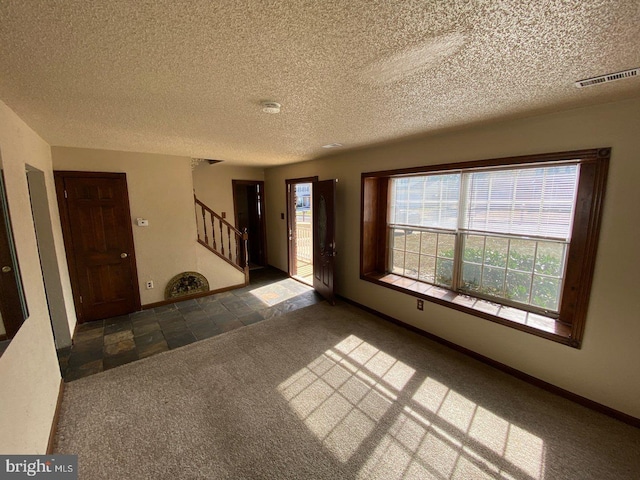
(187, 77)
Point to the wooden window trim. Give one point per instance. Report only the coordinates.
(569, 328)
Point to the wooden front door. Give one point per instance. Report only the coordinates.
(324, 241)
(98, 237)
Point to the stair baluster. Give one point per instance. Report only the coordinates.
(218, 248)
(213, 231)
(204, 224)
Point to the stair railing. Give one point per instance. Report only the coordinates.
(222, 238)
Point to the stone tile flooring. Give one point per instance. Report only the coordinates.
(106, 344)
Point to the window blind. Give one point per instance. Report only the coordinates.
(527, 201)
(426, 201)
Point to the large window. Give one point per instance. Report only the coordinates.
(512, 240)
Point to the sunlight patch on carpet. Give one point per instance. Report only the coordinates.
(342, 394)
(346, 395)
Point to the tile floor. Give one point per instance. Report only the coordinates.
(106, 344)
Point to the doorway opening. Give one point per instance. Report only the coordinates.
(58, 312)
(248, 205)
(300, 228)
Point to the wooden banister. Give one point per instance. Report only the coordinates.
(212, 222)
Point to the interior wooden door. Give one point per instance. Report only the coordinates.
(324, 241)
(249, 207)
(99, 241)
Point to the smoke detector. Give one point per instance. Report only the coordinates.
(332, 145)
(270, 107)
(610, 77)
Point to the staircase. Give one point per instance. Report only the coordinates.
(222, 238)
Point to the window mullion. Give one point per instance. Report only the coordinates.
(533, 272)
(419, 257)
(506, 269)
(458, 248)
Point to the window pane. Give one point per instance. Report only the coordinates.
(397, 239)
(521, 255)
(427, 269)
(471, 277)
(518, 286)
(446, 245)
(413, 241)
(550, 258)
(524, 201)
(426, 201)
(411, 264)
(545, 292)
(493, 281)
(444, 272)
(495, 251)
(474, 248)
(397, 262)
(429, 242)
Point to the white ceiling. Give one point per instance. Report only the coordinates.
(187, 77)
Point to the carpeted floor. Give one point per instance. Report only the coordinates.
(331, 393)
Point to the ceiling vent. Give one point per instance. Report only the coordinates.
(611, 77)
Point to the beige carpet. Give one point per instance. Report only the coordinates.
(331, 393)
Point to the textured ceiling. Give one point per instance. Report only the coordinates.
(187, 77)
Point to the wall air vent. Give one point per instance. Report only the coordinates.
(611, 77)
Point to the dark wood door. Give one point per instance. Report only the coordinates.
(324, 242)
(99, 241)
(249, 207)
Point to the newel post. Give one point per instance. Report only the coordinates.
(245, 245)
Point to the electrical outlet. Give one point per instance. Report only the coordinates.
(149, 284)
(420, 304)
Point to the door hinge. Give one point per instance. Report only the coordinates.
(65, 194)
(80, 298)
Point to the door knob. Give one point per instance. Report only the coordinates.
(124, 255)
(6, 269)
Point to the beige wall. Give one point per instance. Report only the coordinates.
(212, 184)
(29, 372)
(161, 191)
(605, 369)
